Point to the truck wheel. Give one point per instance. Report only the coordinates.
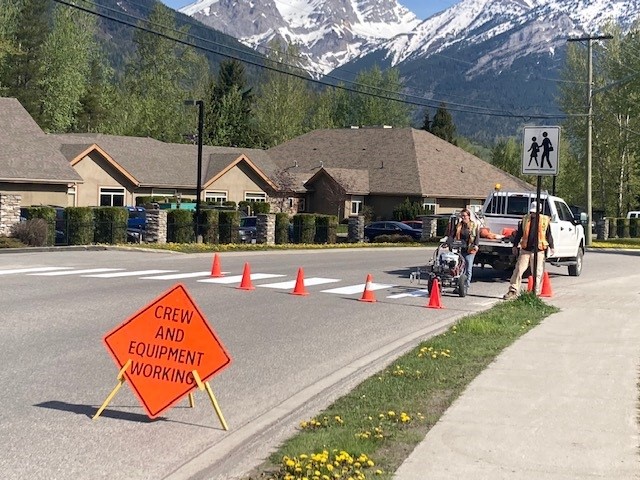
(576, 270)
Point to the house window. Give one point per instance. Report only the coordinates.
(255, 197)
(291, 202)
(302, 205)
(111, 197)
(356, 204)
(215, 197)
(429, 204)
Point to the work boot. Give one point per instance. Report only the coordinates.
(510, 294)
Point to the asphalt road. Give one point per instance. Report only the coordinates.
(291, 355)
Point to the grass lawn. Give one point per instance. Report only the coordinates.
(369, 432)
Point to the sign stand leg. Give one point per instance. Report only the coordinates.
(205, 386)
(192, 402)
(121, 380)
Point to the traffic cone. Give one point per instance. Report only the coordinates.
(368, 295)
(300, 288)
(215, 268)
(546, 286)
(434, 295)
(530, 283)
(246, 284)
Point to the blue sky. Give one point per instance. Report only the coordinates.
(422, 8)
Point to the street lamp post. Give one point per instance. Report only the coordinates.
(200, 105)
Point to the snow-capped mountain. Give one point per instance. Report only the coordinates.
(332, 33)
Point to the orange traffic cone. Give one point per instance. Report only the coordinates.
(546, 286)
(246, 284)
(434, 295)
(368, 295)
(530, 283)
(300, 288)
(215, 268)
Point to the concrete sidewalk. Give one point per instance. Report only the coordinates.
(560, 403)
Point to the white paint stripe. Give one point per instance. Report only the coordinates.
(127, 274)
(308, 282)
(350, 290)
(238, 278)
(175, 276)
(76, 272)
(33, 269)
(415, 293)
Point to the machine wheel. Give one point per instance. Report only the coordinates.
(576, 270)
(462, 285)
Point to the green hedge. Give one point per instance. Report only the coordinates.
(326, 229)
(180, 226)
(110, 224)
(80, 225)
(209, 226)
(282, 228)
(304, 228)
(229, 224)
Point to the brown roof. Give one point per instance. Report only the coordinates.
(353, 181)
(398, 161)
(27, 154)
(154, 163)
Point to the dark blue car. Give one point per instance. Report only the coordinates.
(389, 227)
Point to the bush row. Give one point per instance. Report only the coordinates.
(624, 227)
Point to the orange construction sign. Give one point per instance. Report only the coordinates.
(166, 341)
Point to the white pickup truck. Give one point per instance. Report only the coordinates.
(500, 215)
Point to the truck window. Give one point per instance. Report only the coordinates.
(564, 213)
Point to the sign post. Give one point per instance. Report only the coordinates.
(540, 156)
(165, 351)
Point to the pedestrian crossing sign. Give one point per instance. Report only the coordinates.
(540, 150)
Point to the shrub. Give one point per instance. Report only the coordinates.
(110, 224)
(48, 214)
(408, 210)
(634, 227)
(180, 226)
(304, 228)
(209, 226)
(282, 228)
(393, 239)
(80, 225)
(10, 242)
(229, 225)
(33, 232)
(326, 229)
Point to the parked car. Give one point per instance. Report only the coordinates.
(137, 224)
(376, 229)
(416, 224)
(248, 229)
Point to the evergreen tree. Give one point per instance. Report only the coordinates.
(64, 70)
(426, 124)
(443, 126)
(229, 108)
(21, 66)
(507, 156)
(98, 99)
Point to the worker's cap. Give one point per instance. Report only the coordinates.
(533, 208)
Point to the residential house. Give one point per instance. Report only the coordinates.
(31, 164)
(346, 169)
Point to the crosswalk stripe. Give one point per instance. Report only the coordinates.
(75, 272)
(351, 289)
(238, 278)
(127, 274)
(415, 293)
(308, 282)
(176, 276)
(33, 269)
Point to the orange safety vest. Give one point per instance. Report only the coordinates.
(473, 231)
(542, 231)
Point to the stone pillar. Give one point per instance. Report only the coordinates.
(266, 228)
(429, 227)
(602, 229)
(156, 230)
(355, 232)
(9, 212)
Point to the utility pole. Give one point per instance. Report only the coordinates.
(589, 40)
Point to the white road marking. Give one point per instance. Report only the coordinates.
(127, 274)
(176, 276)
(351, 289)
(77, 272)
(415, 293)
(238, 278)
(308, 282)
(33, 269)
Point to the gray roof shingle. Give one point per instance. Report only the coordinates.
(27, 154)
